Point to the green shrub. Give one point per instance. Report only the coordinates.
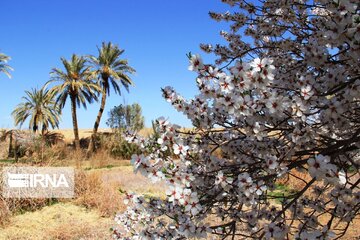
(116, 145)
(124, 150)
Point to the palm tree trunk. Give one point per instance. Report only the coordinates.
(91, 147)
(75, 124)
(16, 151)
(42, 143)
(11, 151)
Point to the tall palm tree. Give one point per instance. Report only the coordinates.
(4, 67)
(111, 72)
(39, 106)
(75, 83)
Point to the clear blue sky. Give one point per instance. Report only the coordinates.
(156, 35)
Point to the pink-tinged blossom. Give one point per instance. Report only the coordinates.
(272, 231)
(258, 187)
(196, 63)
(187, 229)
(298, 107)
(259, 64)
(307, 92)
(244, 180)
(172, 193)
(223, 180)
(305, 235)
(239, 69)
(162, 122)
(318, 166)
(129, 197)
(342, 177)
(140, 163)
(193, 206)
(180, 148)
(226, 84)
(155, 176)
(271, 162)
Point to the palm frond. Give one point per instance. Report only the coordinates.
(76, 80)
(4, 67)
(111, 69)
(39, 107)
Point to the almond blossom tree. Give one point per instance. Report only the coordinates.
(284, 102)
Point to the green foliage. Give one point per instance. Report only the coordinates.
(6, 160)
(110, 69)
(38, 106)
(126, 117)
(124, 150)
(281, 193)
(4, 67)
(110, 166)
(116, 145)
(75, 82)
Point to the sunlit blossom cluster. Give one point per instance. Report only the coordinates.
(286, 102)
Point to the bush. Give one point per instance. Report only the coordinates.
(124, 149)
(92, 192)
(116, 145)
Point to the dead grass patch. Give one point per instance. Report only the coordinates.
(88, 216)
(85, 133)
(93, 193)
(62, 221)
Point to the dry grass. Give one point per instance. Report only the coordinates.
(101, 188)
(88, 216)
(12, 206)
(5, 213)
(145, 132)
(61, 221)
(96, 161)
(85, 133)
(125, 178)
(93, 193)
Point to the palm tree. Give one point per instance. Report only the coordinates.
(39, 106)
(75, 83)
(4, 67)
(112, 72)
